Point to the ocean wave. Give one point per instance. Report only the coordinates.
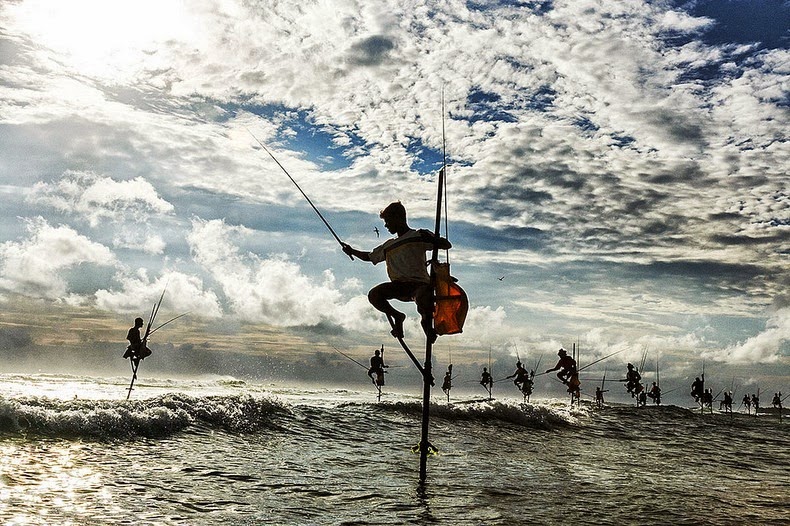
(160, 416)
(546, 415)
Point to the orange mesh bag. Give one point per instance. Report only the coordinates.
(452, 304)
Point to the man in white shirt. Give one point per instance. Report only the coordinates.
(406, 268)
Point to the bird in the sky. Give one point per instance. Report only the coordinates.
(376, 230)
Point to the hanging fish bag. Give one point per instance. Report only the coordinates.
(451, 302)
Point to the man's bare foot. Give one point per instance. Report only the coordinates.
(396, 321)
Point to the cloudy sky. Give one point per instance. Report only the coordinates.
(617, 177)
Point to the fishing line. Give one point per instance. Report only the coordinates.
(331, 230)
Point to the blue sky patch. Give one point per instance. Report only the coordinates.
(745, 22)
(313, 141)
(427, 160)
(536, 6)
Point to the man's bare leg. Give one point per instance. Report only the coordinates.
(379, 297)
(396, 320)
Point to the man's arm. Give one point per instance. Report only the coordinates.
(554, 368)
(441, 243)
(351, 251)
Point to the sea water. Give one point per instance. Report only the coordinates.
(73, 450)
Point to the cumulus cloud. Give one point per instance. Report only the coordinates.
(128, 238)
(137, 291)
(35, 265)
(272, 290)
(765, 347)
(486, 323)
(100, 198)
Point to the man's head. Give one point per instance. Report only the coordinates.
(376, 352)
(561, 352)
(394, 217)
(138, 322)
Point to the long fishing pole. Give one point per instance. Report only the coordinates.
(350, 358)
(601, 359)
(300, 190)
(168, 321)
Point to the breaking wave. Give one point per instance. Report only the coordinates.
(155, 417)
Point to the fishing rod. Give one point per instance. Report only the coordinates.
(169, 321)
(300, 190)
(350, 358)
(644, 359)
(601, 359)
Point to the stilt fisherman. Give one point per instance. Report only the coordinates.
(632, 378)
(377, 367)
(447, 383)
(136, 350)
(406, 267)
(566, 366)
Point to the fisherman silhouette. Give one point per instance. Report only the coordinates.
(777, 400)
(406, 267)
(756, 403)
(599, 396)
(566, 365)
(698, 388)
(521, 376)
(641, 400)
(726, 404)
(747, 402)
(632, 381)
(136, 351)
(529, 383)
(486, 380)
(447, 383)
(377, 368)
(707, 399)
(655, 393)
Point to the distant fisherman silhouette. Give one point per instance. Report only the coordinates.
(726, 404)
(521, 376)
(632, 378)
(777, 400)
(447, 384)
(406, 268)
(698, 388)
(377, 368)
(707, 399)
(136, 350)
(486, 380)
(599, 401)
(655, 393)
